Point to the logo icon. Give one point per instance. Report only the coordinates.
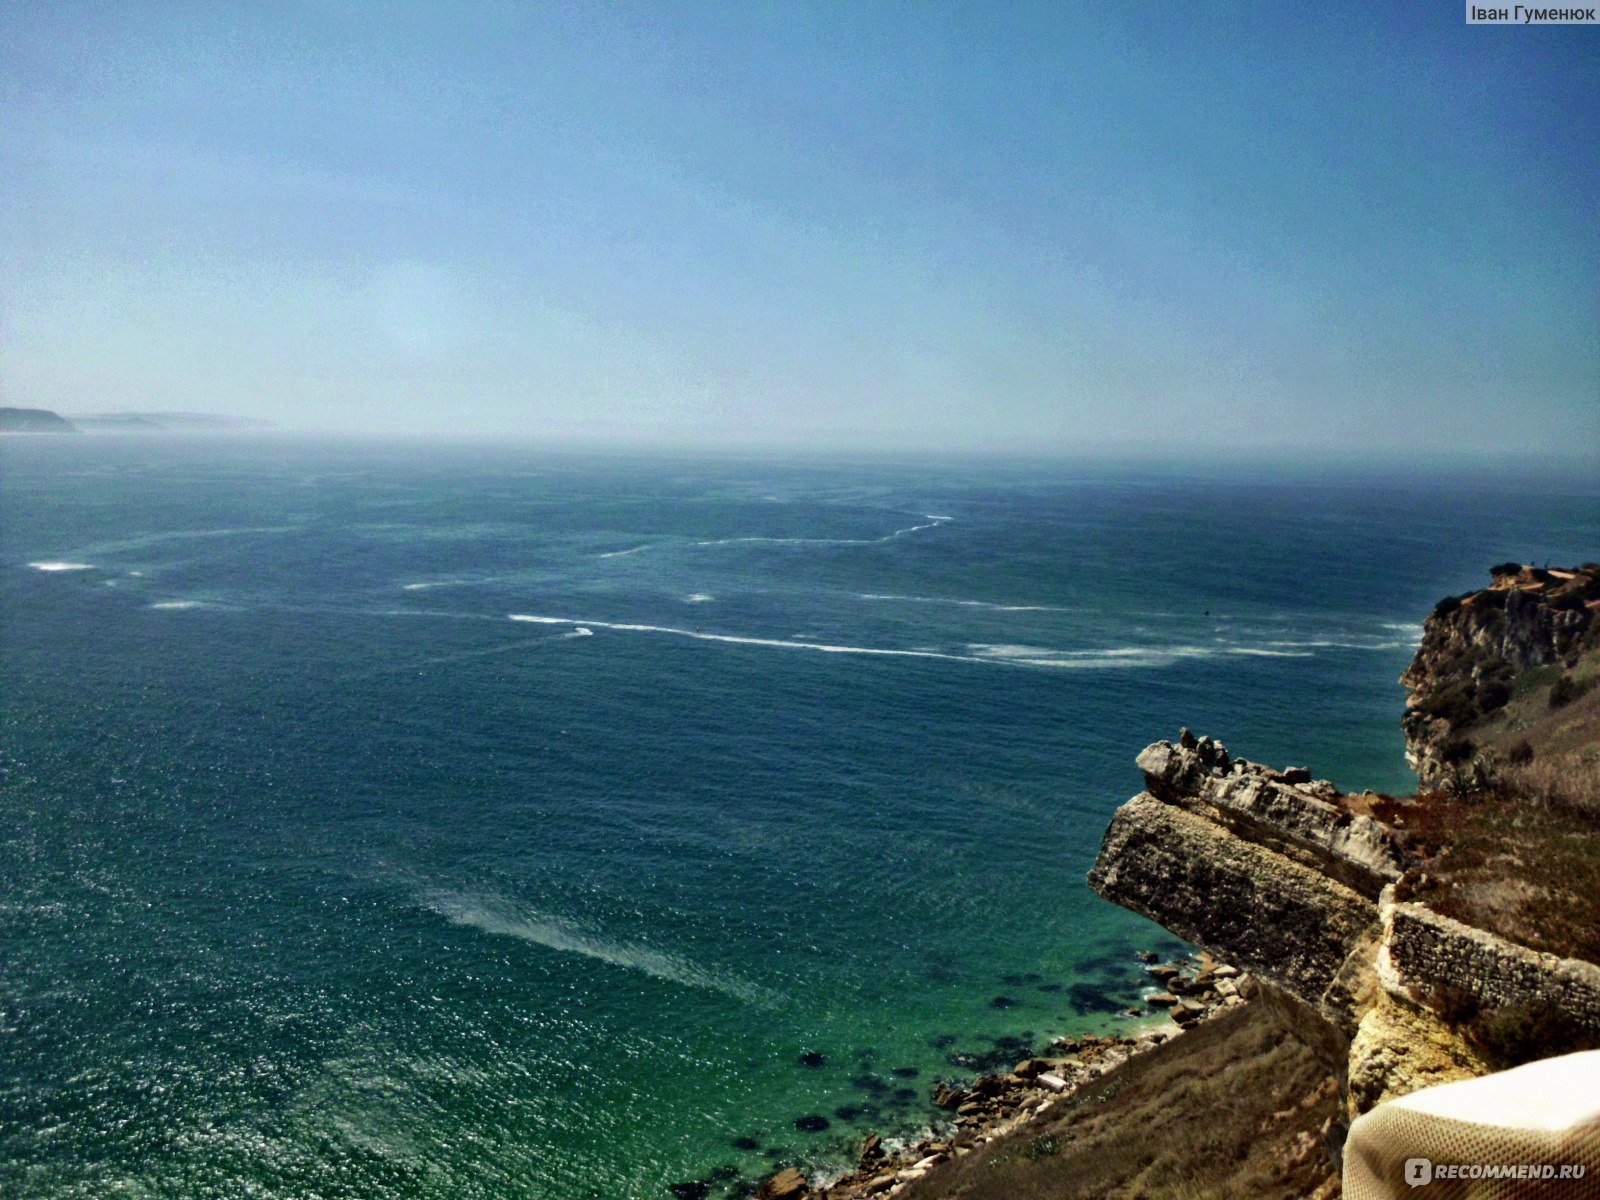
(1419, 1171)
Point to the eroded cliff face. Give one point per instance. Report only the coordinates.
(1474, 647)
(1295, 882)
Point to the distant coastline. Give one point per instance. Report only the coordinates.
(44, 420)
(34, 420)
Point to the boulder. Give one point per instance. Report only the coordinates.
(1030, 1067)
(787, 1184)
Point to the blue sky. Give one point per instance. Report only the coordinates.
(995, 227)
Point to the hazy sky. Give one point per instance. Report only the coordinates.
(992, 226)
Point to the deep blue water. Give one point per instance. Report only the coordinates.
(390, 821)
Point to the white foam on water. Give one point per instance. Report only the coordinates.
(417, 587)
(581, 631)
(932, 523)
(978, 652)
(620, 553)
(61, 566)
(496, 915)
(177, 604)
(698, 598)
(1347, 643)
(740, 640)
(1117, 656)
(901, 599)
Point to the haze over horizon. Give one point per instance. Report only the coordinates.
(873, 227)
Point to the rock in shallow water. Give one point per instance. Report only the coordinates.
(787, 1184)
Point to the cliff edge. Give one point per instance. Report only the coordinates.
(1407, 941)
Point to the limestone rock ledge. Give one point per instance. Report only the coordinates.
(1289, 880)
(1249, 905)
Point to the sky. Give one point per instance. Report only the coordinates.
(1000, 227)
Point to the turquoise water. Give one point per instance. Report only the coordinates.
(390, 821)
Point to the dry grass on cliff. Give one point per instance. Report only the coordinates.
(1518, 864)
(1521, 857)
(1232, 1108)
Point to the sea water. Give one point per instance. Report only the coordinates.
(456, 822)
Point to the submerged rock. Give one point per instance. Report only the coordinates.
(788, 1184)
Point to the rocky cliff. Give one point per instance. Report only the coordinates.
(1346, 907)
(1297, 883)
(1476, 645)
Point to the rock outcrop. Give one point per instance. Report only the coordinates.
(1474, 645)
(1292, 881)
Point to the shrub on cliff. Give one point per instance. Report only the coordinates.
(1567, 689)
(1492, 694)
(1456, 702)
(1505, 568)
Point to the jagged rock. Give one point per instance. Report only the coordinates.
(1162, 1000)
(945, 1096)
(787, 1184)
(871, 1149)
(1051, 1082)
(1262, 807)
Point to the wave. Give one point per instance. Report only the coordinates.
(978, 652)
(620, 553)
(145, 541)
(902, 599)
(581, 631)
(1117, 656)
(61, 566)
(1349, 643)
(496, 915)
(698, 598)
(177, 604)
(933, 522)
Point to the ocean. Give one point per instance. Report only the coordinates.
(418, 821)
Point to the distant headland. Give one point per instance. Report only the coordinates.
(34, 420)
(43, 420)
